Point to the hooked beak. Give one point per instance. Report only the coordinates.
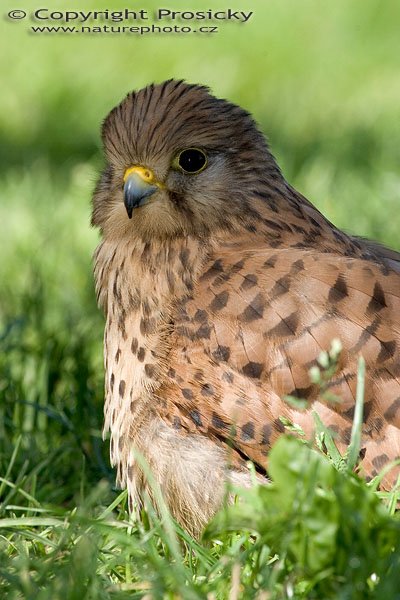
(140, 183)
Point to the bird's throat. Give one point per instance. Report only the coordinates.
(138, 284)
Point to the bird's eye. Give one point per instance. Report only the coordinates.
(191, 160)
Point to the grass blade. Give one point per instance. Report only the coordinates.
(355, 440)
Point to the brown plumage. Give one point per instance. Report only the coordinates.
(220, 292)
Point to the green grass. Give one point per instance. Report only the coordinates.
(323, 84)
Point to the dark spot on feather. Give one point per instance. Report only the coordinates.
(302, 393)
(366, 334)
(170, 281)
(271, 262)
(134, 345)
(149, 370)
(220, 279)
(201, 316)
(349, 413)
(203, 332)
(249, 281)
(228, 377)
(281, 286)
(217, 422)
(286, 327)
(221, 353)
(380, 461)
(116, 292)
(176, 424)
(279, 426)
(184, 256)
(147, 326)
(141, 354)
(133, 300)
(196, 418)
(362, 453)
(387, 351)
(121, 388)
(378, 424)
(146, 308)
(391, 412)
(207, 390)
(214, 270)
(378, 301)
(367, 410)
(316, 224)
(276, 226)
(253, 369)
(121, 324)
(266, 434)
(187, 393)
(384, 269)
(346, 435)
(311, 236)
(383, 373)
(187, 280)
(299, 229)
(247, 431)
(255, 310)
(297, 266)
(334, 429)
(339, 290)
(220, 301)
(238, 266)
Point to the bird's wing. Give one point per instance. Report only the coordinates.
(384, 255)
(255, 325)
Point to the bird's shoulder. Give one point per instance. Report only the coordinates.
(245, 280)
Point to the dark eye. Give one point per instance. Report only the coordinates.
(192, 160)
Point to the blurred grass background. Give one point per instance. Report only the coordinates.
(322, 80)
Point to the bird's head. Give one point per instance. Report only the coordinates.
(178, 162)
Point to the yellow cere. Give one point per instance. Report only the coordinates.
(146, 174)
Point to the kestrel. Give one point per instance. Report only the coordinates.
(221, 285)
